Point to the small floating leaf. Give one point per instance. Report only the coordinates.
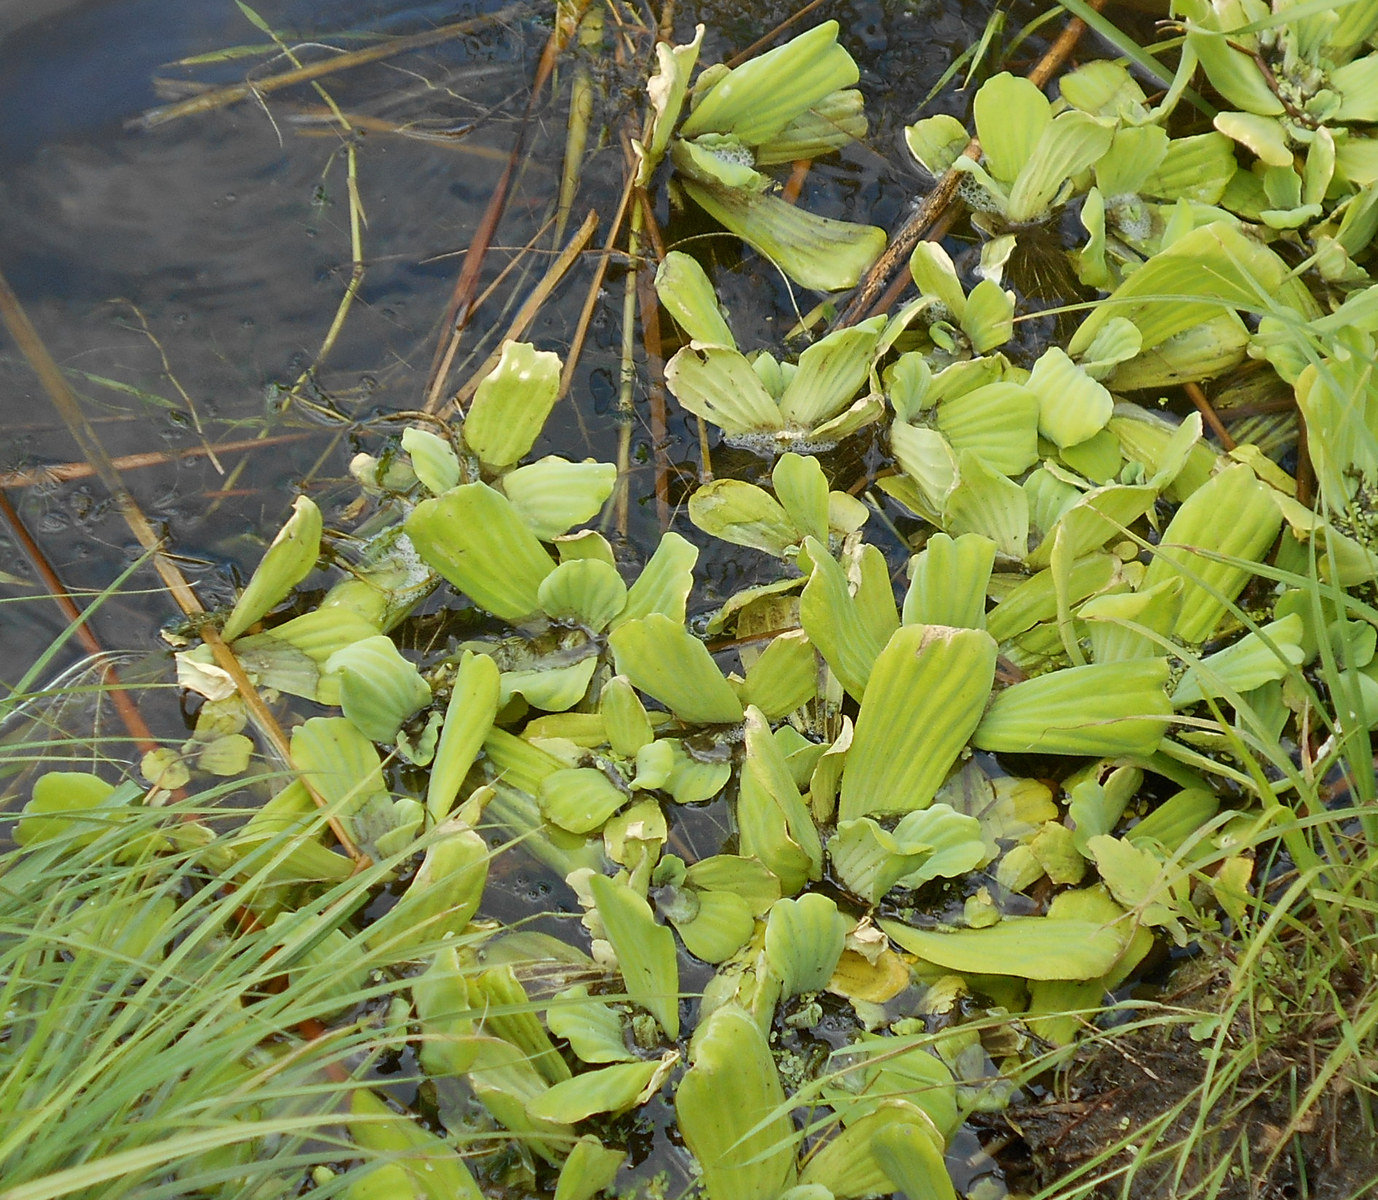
(580, 799)
(816, 252)
(612, 1090)
(379, 689)
(1101, 709)
(924, 698)
(1196, 530)
(473, 536)
(666, 661)
(416, 1159)
(804, 940)
(1031, 947)
(759, 98)
(594, 1031)
(552, 495)
(585, 591)
(432, 458)
(511, 404)
(589, 1170)
(947, 582)
(286, 563)
(732, 1111)
(685, 290)
(468, 718)
(645, 951)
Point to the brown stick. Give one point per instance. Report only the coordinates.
(236, 92)
(944, 192)
(1208, 414)
(66, 472)
(17, 321)
(461, 304)
(128, 711)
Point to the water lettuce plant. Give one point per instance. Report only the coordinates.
(945, 778)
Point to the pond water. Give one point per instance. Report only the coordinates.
(184, 276)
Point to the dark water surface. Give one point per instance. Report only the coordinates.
(183, 275)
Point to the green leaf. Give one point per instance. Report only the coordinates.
(552, 495)
(666, 661)
(804, 941)
(584, 591)
(685, 290)
(869, 859)
(580, 799)
(713, 925)
(856, 1161)
(62, 798)
(1108, 709)
(594, 1031)
(837, 622)
(432, 458)
(1272, 652)
(1011, 115)
(936, 142)
(511, 404)
(475, 539)
(612, 1090)
(912, 1160)
(998, 423)
(427, 1167)
(989, 503)
(829, 373)
(664, 583)
(774, 823)
(745, 515)
(645, 950)
(947, 582)
(924, 698)
(589, 1170)
(667, 89)
(784, 677)
(379, 689)
(756, 100)
(732, 1111)
(442, 897)
(1070, 144)
(718, 384)
(816, 252)
(286, 563)
(802, 489)
(338, 762)
(1028, 947)
(1072, 406)
(1196, 530)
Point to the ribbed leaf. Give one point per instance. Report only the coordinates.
(758, 99)
(924, 698)
(829, 374)
(475, 539)
(947, 581)
(645, 950)
(1102, 709)
(816, 252)
(1029, 947)
(732, 1112)
(666, 661)
(804, 940)
(552, 495)
(718, 384)
(685, 290)
(286, 563)
(511, 404)
(1208, 585)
